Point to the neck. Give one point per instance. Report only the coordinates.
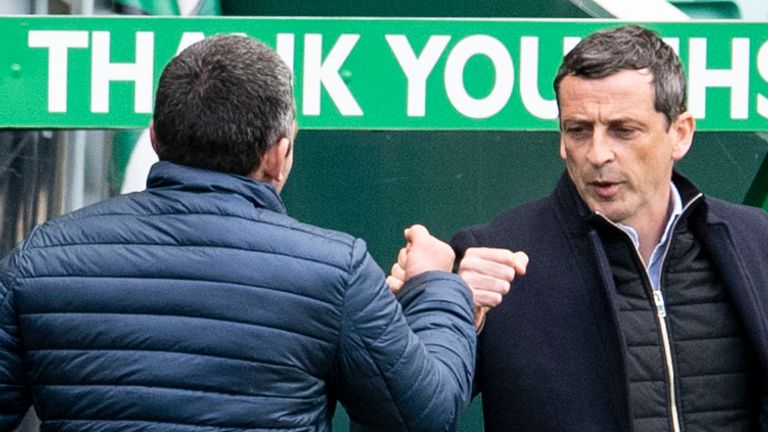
(650, 229)
(648, 240)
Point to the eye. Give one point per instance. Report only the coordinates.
(624, 132)
(577, 132)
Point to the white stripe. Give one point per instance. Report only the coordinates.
(646, 10)
(187, 6)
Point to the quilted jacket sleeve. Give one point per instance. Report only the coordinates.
(14, 395)
(405, 365)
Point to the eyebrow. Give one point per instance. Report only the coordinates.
(619, 120)
(627, 121)
(575, 121)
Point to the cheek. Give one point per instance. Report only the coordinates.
(649, 165)
(656, 157)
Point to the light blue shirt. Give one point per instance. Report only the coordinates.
(657, 257)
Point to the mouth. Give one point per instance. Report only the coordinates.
(605, 189)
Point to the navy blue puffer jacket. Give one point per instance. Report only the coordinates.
(199, 305)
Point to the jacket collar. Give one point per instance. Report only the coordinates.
(572, 204)
(168, 175)
(688, 191)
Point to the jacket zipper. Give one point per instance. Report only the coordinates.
(661, 318)
(661, 315)
(666, 346)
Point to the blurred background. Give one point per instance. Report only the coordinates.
(368, 183)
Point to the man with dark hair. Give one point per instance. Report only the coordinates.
(644, 305)
(199, 305)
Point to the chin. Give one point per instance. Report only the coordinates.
(613, 214)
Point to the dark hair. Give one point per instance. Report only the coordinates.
(221, 103)
(629, 48)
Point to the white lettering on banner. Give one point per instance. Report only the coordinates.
(762, 68)
(187, 39)
(529, 80)
(323, 74)
(319, 73)
(736, 78)
(673, 43)
(454, 76)
(103, 72)
(285, 48)
(569, 43)
(417, 69)
(58, 43)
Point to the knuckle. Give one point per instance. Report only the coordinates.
(510, 276)
(504, 289)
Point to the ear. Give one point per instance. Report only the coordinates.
(152, 136)
(562, 147)
(682, 135)
(273, 162)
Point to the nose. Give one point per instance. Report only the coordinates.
(600, 149)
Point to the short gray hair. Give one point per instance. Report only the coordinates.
(221, 103)
(630, 48)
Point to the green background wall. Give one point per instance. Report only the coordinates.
(374, 183)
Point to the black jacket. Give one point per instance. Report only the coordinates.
(551, 356)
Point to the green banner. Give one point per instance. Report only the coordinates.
(100, 72)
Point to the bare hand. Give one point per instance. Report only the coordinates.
(422, 253)
(396, 277)
(489, 272)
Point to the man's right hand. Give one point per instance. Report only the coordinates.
(422, 253)
(489, 272)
